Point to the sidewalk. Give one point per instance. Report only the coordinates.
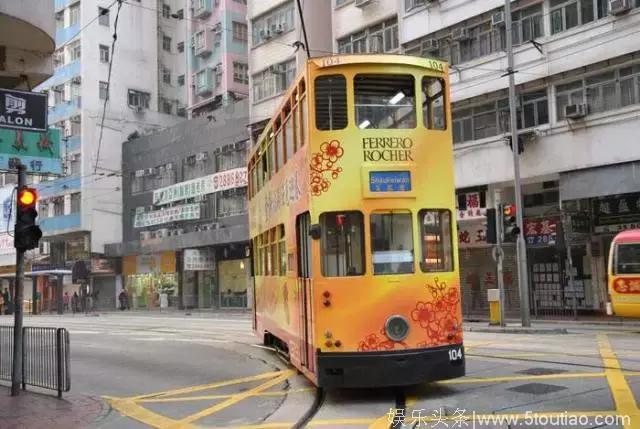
(33, 410)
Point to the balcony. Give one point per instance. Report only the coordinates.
(63, 74)
(64, 110)
(60, 224)
(62, 4)
(202, 8)
(204, 82)
(64, 35)
(58, 186)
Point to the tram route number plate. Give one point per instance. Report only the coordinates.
(455, 354)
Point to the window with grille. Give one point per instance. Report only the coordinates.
(331, 102)
(104, 53)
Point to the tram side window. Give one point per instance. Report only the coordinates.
(385, 101)
(331, 102)
(282, 251)
(437, 247)
(342, 244)
(433, 103)
(627, 258)
(392, 243)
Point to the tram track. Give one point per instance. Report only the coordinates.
(312, 411)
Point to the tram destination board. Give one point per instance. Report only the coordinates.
(389, 181)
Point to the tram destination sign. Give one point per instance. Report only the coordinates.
(389, 181)
(23, 110)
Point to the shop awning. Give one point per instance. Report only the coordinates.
(598, 182)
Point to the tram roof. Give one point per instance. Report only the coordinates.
(628, 236)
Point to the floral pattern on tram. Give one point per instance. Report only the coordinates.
(323, 162)
(375, 342)
(440, 316)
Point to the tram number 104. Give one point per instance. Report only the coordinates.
(455, 354)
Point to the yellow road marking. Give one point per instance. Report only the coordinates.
(622, 394)
(237, 398)
(208, 397)
(201, 387)
(131, 409)
(468, 380)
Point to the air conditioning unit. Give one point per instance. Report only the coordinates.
(204, 227)
(150, 172)
(139, 209)
(76, 80)
(460, 34)
(279, 29)
(429, 46)
(139, 173)
(191, 160)
(362, 3)
(497, 19)
(619, 7)
(239, 146)
(178, 231)
(217, 150)
(202, 156)
(169, 166)
(575, 111)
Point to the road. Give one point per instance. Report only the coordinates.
(177, 371)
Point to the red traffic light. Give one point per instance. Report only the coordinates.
(27, 197)
(509, 210)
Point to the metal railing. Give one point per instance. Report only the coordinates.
(45, 357)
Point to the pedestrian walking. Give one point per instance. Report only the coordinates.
(122, 297)
(74, 302)
(1, 304)
(65, 301)
(6, 297)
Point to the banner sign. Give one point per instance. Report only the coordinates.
(199, 260)
(389, 181)
(38, 151)
(229, 179)
(541, 231)
(166, 215)
(23, 110)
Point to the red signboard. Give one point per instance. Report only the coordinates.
(541, 231)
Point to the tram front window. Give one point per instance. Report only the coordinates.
(342, 244)
(392, 243)
(628, 258)
(385, 101)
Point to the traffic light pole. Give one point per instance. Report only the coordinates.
(521, 251)
(16, 376)
(499, 232)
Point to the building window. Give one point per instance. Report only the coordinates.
(166, 75)
(232, 202)
(239, 31)
(331, 102)
(103, 16)
(385, 101)
(137, 181)
(74, 14)
(527, 24)
(566, 14)
(342, 244)
(75, 202)
(198, 40)
(392, 243)
(104, 53)
(382, 37)
(181, 47)
(437, 246)
(273, 81)
(272, 24)
(166, 43)
(227, 160)
(58, 206)
(74, 50)
(75, 164)
(103, 90)
(240, 73)
(412, 4)
(167, 107)
(166, 11)
(138, 99)
(181, 80)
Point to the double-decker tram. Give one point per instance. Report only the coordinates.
(624, 274)
(351, 210)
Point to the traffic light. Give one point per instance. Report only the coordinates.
(510, 229)
(27, 234)
(492, 234)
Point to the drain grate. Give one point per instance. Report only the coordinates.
(537, 388)
(541, 371)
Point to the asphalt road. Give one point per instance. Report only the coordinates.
(177, 371)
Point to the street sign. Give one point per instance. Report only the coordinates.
(38, 151)
(23, 110)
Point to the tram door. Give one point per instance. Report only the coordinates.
(303, 223)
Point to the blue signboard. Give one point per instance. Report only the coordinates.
(389, 181)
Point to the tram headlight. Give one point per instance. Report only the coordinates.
(396, 328)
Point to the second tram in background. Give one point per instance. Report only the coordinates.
(352, 223)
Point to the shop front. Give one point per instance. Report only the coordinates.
(199, 278)
(233, 277)
(151, 280)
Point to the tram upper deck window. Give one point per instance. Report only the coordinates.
(342, 244)
(385, 101)
(627, 258)
(392, 243)
(437, 247)
(331, 102)
(433, 103)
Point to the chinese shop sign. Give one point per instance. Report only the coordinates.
(199, 260)
(166, 215)
(23, 110)
(614, 214)
(472, 234)
(217, 182)
(472, 208)
(541, 231)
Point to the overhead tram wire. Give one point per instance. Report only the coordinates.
(304, 30)
(106, 99)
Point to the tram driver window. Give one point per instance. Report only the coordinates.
(433, 103)
(331, 102)
(385, 101)
(392, 243)
(342, 244)
(437, 247)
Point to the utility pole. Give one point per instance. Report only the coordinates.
(500, 257)
(16, 376)
(521, 251)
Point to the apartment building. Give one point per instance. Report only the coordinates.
(82, 211)
(217, 56)
(277, 49)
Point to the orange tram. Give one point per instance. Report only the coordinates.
(351, 211)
